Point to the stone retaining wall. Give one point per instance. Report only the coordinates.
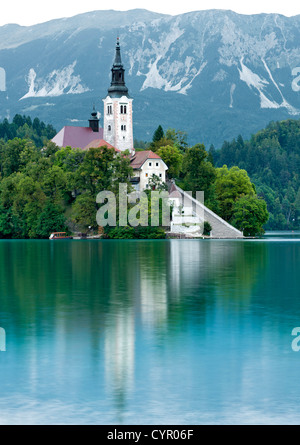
(220, 228)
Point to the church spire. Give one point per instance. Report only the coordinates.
(117, 87)
(118, 61)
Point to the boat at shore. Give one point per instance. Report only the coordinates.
(59, 235)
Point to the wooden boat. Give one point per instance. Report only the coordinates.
(59, 235)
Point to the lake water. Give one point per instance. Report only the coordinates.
(150, 332)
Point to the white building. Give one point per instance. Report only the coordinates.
(117, 124)
(145, 165)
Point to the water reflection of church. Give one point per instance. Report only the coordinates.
(161, 285)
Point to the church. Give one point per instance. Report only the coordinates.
(117, 134)
(117, 131)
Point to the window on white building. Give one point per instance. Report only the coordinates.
(157, 164)
(109, 109)
(150, 164)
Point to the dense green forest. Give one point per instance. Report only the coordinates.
(24, 128)
(272, 159)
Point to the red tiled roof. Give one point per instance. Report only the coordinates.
(100, 143)
(76, 137)
(140, 157)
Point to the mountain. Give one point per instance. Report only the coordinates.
(214, 73)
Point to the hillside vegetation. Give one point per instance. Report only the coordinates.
(272, 159)
(45, 188)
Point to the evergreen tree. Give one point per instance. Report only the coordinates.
(158, 134)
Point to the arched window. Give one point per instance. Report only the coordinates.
(109, 128)
(123, 109)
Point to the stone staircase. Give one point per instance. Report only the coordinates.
(189, 215)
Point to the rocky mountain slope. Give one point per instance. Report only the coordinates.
(212, 73)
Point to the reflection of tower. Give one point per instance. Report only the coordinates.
(119, 350)
(117, 124)
(153, 298)
(2, 340)
(187, 264)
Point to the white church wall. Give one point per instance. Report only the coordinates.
(118, 126)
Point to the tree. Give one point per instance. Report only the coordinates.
(51, 219)
(178, 137)
(10, 156)
(173, 158)
(96, 171)
(207, 228)
(199, 173)
(54, 184)
(84, 211)
(158, 134)
(23, 200)
(156, 184)
(122, 171)
(6, 228)
(160, 140)
(250, 214)
(229, 186)
(69, 159)
(212, 154)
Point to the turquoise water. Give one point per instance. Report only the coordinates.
(150, 332)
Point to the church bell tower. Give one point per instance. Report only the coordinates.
(118, 108)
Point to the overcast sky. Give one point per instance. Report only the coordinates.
(29, 12)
